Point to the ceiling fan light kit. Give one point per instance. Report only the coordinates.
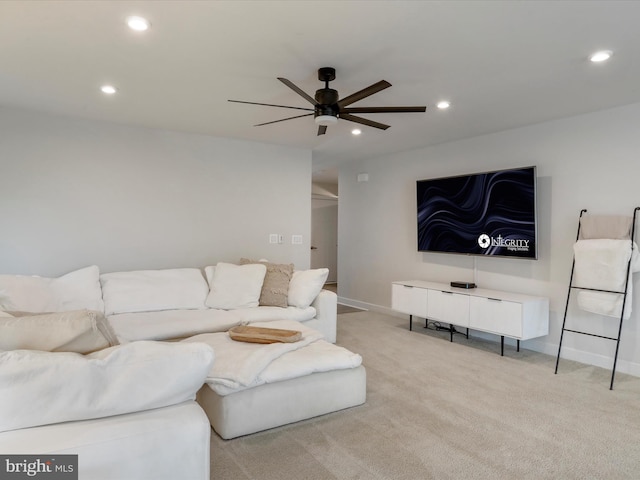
(326, 120)
(328, 107)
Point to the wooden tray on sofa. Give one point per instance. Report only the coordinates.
(243, 333)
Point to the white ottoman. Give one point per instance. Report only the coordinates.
(274, 404)
(298, 382)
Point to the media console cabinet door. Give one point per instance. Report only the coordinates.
(409, 300)
(496, 316)
(448, 307)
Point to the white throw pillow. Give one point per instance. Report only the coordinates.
(41, 388)
(305, 286)
(76, 290)
(153, 290)
(236, 286)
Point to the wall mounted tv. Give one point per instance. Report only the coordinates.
(491, 214)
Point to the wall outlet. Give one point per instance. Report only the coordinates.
(273, 238)
(296, 239)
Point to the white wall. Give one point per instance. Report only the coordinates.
(75, 192)
(591, 161)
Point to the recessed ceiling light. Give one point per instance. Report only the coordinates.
(356, 131)
(443, 105)
(601, 56)
(108, 89)
(138, 24)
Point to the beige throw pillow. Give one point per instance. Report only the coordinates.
(275, 287)
(80, 331)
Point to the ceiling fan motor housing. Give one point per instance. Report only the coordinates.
(327, 99)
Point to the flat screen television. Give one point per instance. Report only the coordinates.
(491, 214)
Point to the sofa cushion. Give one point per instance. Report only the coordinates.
(153, 290)
(41, 388)
(74, 291)
(236, 286)
(305, 286)
(172, 324)
(275, 287)
(81, 331)
(268, 314)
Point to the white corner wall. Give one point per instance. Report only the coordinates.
(590, 161)
(76, 192)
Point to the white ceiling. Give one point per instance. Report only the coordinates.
(503, 64)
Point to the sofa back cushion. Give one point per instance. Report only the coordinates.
(80, 331)
(41, 388)
(76, 290)
(153, 290)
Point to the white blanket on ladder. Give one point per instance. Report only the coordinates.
(602, 264)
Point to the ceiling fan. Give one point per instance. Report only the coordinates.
(328, 107)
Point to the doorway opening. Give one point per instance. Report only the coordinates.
(324, 224)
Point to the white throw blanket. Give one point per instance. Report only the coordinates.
(241, 365)
(319, 356)
(602, 264)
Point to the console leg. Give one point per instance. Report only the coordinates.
(410, 322)
(502, 346)
(518, 345)
(451, 333)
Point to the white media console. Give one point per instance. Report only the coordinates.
(506, 314)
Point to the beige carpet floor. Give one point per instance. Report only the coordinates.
(441, 410)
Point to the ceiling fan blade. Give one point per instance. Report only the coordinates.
(283, 119)
(363, 121)
(271, 105)
(365, 92)
(383, 109)
(322, 129)
(298, 90)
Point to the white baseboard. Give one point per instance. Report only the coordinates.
(537, 345)
(367, 306)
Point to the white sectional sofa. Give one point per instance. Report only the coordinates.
(127, 319)
(179, 303)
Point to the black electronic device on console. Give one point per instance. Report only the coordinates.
(463, 284)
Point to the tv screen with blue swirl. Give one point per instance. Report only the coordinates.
(491, 213)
